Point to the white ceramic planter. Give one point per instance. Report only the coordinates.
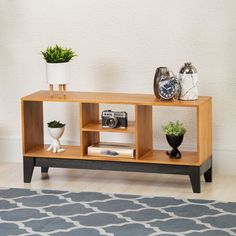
(58, 73)
(56, 133)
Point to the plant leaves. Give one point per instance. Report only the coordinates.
(58, 54)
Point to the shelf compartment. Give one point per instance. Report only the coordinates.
(97, 127)
(160, 157)
(155, 156)
(71, 152)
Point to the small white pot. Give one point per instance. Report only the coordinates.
(56, 133)
(58, 73)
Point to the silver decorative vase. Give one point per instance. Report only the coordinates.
(161, 72)
(188, 82)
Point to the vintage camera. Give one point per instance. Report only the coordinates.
(113, 119)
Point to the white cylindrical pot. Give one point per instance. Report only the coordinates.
(188, 82)
(58, 73)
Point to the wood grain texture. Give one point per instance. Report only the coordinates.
(97, 126)
(204, 131)
(154, 156)
(32, 124)
(143, 126)
(87, 139)
(64, 89)
(60, 88)
(89, 113)
(71, 152)
(112, 98)
(159, 156)
(51, 90)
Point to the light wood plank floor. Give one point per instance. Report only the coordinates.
(223, 187)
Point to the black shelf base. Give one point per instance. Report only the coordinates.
(194, 172)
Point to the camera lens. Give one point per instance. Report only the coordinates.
(112, 122)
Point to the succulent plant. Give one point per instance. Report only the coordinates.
(58, 54)
(55, 124)
(174, 128)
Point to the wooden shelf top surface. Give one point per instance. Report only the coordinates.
(111, 98)
(155, 156)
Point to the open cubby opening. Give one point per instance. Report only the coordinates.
(93, 132)
(35, 131)
(161, 116)
(93, 122)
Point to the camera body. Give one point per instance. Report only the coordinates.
(114, 119)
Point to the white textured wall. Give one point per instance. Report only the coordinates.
(120, 43)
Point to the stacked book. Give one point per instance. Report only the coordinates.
(112, 150)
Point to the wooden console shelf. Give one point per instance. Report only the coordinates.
(146, 159)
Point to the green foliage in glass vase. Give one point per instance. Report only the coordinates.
(55, 124)
(58, 54)
(174, 129)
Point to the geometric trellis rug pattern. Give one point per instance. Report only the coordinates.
(59, 213)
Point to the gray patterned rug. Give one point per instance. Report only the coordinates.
(46, 212)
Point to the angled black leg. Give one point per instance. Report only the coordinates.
(208, 175)
(44, 169)
(28, 168)
(195, 178)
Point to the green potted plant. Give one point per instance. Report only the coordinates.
(56, 130)
(57, 66)
(174, 134)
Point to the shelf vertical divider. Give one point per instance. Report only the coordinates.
(143, 130)
(89, 112)
(204, 131)
(32, 124)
